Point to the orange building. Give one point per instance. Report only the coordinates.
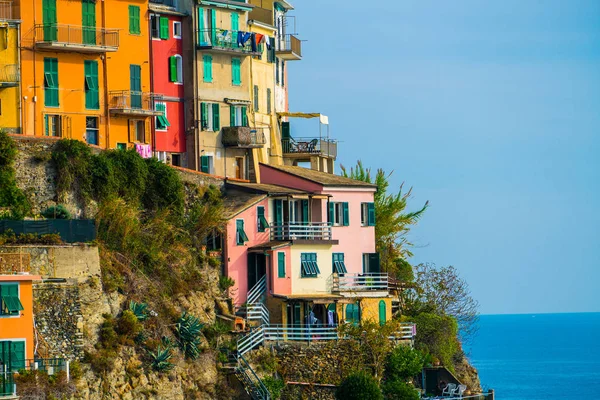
(85, 71)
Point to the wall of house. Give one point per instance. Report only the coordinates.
(281, 286)
(236, 256)
(369, 308)
(20, 327)
(9, 65)
(320, 284)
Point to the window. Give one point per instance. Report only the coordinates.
(309, 267)
(208, 70)
(161, 121)
(238, 116)
(299, 211)
(88, 21)
(367, 214)
(206, 164)
(263, 224)
(134, 20)
(164, 28)
(236, 74)
(137, 130)
(9, 299)
(12, 351)
(176, 69)
(210, 116)
(382, 312)
(339, 214)
(121, 146)
(271, 50)
(176, 160)
(281, 265)
(282, 73)
(49, 20)
(268, 101)
(51, 82)
(277, 71)
(240, 234)
(338, 265)
(176, 29)
(371, 263)
(353, 314)
(256, 106)
(92, 98)
(155, 26)
(91, 130)
(52, 125)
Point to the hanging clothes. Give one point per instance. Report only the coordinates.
(143, 150)
(268, 42)
(260, 38)
(243, 37)
(253, 43)
(330, 318)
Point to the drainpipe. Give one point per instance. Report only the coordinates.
(153, 120)
(20, 90)
(195, 95)
(104, 67)
(35, 99)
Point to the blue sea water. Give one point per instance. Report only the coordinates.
(539, 356)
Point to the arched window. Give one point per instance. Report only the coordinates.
(382, 312)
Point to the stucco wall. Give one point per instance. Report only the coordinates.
(318, 285)
(281, 286)
(21, 326)
(9, 65)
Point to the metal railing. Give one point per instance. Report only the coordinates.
(289, 43)
(77, 36)
(307, 145)
(6, 10)
(262, 14)
(360, 282)
(167, 3)
(258, 312)
(301, 231)
(15, 263)
(258, 290)
(49, 365)
(9, 73)
(255, 338)
(300, 333)
(224, 39)
(131, 100)
(252, 383)
(408, 331)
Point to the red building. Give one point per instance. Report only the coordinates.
(166, 52)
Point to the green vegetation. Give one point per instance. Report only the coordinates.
(11, 197)
(30, 238)
(404, 363)
(187, 331)
(140, 310)
(398, 390)
(56, 212)
(359, 386)
(274, 386)
(160, 359)
(39, 385)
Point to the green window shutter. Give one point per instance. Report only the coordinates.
(331, 212)
(278, 212)
(88, 21)
(256, 107)
(285, 130)
(371, 212)
(236, 75)
(232, 116)
(346, 213)
(235, 22)
(92, 97)
(213, 26)
(173, 69)
(204, 167)
(164, 27)
(382, 313)
(51, 89)
(268, 101)
(207, 64)
(49, 19)
(305, 211)
(244, 116)
(135, 85)
(132, 19)
(241, 236)
(204, 116)
(281, 265)
(201, 26)
(263, 224)
(216, 117)
(17, 351)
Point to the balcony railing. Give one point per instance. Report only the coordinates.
(166, 3)
(226, 40)
(132, 103)
(360, 282)
(9, 74)
(289, 47)
(300, 333)
(316, 146)
(242, 137)
(6, 10)
(79, 38)
(262, 15)
(15, 263)
(301, 231)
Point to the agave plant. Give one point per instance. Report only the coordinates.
(187, 330)
(160, 359)
(139, 309)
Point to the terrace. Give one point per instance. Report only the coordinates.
(225, 41)
(54, 37)
(289, 48)
(128, 102)
(243, 137)
(360, 284)
(9, 75)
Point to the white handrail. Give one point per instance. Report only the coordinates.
(257, 290)
(301, 230)
(360, 282)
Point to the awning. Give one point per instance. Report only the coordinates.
(324, 119)
(237, 102)
(272, 245)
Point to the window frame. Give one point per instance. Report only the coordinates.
(47, 122)
(155, 26)
(175, 35)
(309, 267)
(96, 129)
(281, 264)
(338, 264)
(164, 125)
(12, 298)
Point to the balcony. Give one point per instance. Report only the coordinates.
(301, 147)
(289, 48)
(131, 103)
(243, 137)
(294, 231)
(225, 41)
(6, 12)
(76, 38)
(262, 15)
(9, 75)
(373, 282)
(164, 3)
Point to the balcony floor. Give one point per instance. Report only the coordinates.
(225, 50)
(135, 112)
(76, 47)
(288, 55)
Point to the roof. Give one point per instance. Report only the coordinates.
(263, 188)
(272, 245)
(322, 178)
(241, 201)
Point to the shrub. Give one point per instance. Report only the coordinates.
(128, 325)
(108, 338)
(398, 390)
(101, 361)
(187, 330)
(140, 310)
(30, 238)
(57, 212)
(75, 370)
(437, 336)
(404, 363)
(225, 283)
(359, 386)
(72, 161)
(10, 194)
(164, 188)
(274, 386)
(160, 359)
(130, 174)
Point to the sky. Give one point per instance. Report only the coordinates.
(488, 109)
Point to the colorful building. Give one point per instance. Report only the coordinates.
(167, 55)
(10, 115)
(306, 240)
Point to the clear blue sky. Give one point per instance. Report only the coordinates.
(490, 110)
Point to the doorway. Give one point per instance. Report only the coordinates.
(257, 268)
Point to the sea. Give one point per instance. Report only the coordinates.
(538, 356)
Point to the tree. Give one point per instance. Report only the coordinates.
(404, 363)
(398, 390)
(359, 386)
(393, 221)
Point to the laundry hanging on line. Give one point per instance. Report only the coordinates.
(243, 37)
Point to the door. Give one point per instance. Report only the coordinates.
(257, 268)
(12, 353)
(88, 19)
(49, 20)
(382, 313)
(293, 315)
(135, 84)
(239, 167)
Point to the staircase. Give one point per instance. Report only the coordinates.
(252, 383)
(255, 309)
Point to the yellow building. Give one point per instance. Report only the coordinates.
(85, 71)
(10, 118)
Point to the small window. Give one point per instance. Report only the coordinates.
(53, 125)
(240, 234)
(177, 29)
(371, 263)
(134, 20)
(338, 265)
(137, 130)
(164, 28)
(206, 164)
(236, 73)
(9, 299)
(210, 117)
(121, 146)
(281, 265)
(176, 160)
(91, 130)
(155, 26)
(309, 267)
(161, 121)
(262, 222)
(339, 214)
(367, 214)
(176, 69)
(268, 101)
